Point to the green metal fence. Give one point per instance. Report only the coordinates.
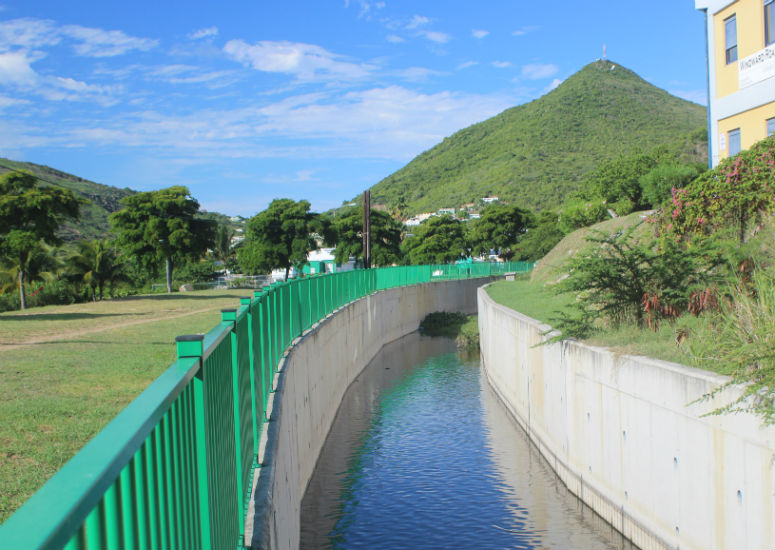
(174, 468)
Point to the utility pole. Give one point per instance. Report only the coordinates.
(367, 229)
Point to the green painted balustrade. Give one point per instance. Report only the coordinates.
(174, 468)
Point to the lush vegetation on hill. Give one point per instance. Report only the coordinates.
(103, 199)
(535, 155)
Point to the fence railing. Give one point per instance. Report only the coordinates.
(174, 468)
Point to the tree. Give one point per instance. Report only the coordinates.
(158, 226)
(619, 179)
(96, 265)
(41, 267)
(222, 245)
(439, 240)
(385, 237)
(30, 214)
(577, 214)
(541, 238)
(280, 237)
(499, 228)
(657, 184)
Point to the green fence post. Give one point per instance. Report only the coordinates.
(247, 302)
(229, 319)
(192, 345)
(265, 347)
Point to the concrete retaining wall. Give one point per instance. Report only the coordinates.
(624, 434)
(309, 388)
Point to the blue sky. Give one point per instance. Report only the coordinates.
(247, 101)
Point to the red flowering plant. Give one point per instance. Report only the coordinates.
(733, 195)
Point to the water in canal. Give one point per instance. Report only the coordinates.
(422, 454)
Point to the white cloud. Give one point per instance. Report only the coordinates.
(501, 64)
(466, 65)
(101, 43)
(15, 68)
(203, 33)
(6, 101)
(395, 39)
(172, 70)
(436, 36)
(366, 7)
(556, 82)
(189, 74)
(417, 21)
(417, 74)
(27, 33)
(524, 30)
(16, 71)
(696, 96)
(392, 123)
(478, 33)
(305, 61)
(537, 71)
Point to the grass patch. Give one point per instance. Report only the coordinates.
(66, 371)
(468, 336)
(530, 298)
(533, 299)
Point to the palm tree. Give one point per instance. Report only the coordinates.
(95, 264)
(36, 265)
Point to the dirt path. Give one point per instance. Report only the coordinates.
(73, 334)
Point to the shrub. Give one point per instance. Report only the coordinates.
(622, 280)
(656, 184)
(581, 214)
(740, 190)
(443, 323)
(468, 336)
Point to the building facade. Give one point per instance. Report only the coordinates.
(741, 74)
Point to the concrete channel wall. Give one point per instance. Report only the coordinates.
(309, 388)
(625, 434)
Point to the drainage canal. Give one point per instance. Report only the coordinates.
(423, 455)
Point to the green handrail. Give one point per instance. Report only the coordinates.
(174, 468)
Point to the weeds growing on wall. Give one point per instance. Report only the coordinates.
(740, 339)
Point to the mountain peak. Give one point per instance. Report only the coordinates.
(535, 154)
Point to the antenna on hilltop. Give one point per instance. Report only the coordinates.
(603, 52)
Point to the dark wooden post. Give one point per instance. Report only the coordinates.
(367, 229)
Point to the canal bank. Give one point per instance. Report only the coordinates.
(311, 381)
(628, 436)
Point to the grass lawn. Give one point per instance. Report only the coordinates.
(66, 371)
(535, 300)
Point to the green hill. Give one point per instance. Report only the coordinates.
(103, 199)
(536, 154)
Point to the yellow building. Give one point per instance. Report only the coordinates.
(741, 74)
